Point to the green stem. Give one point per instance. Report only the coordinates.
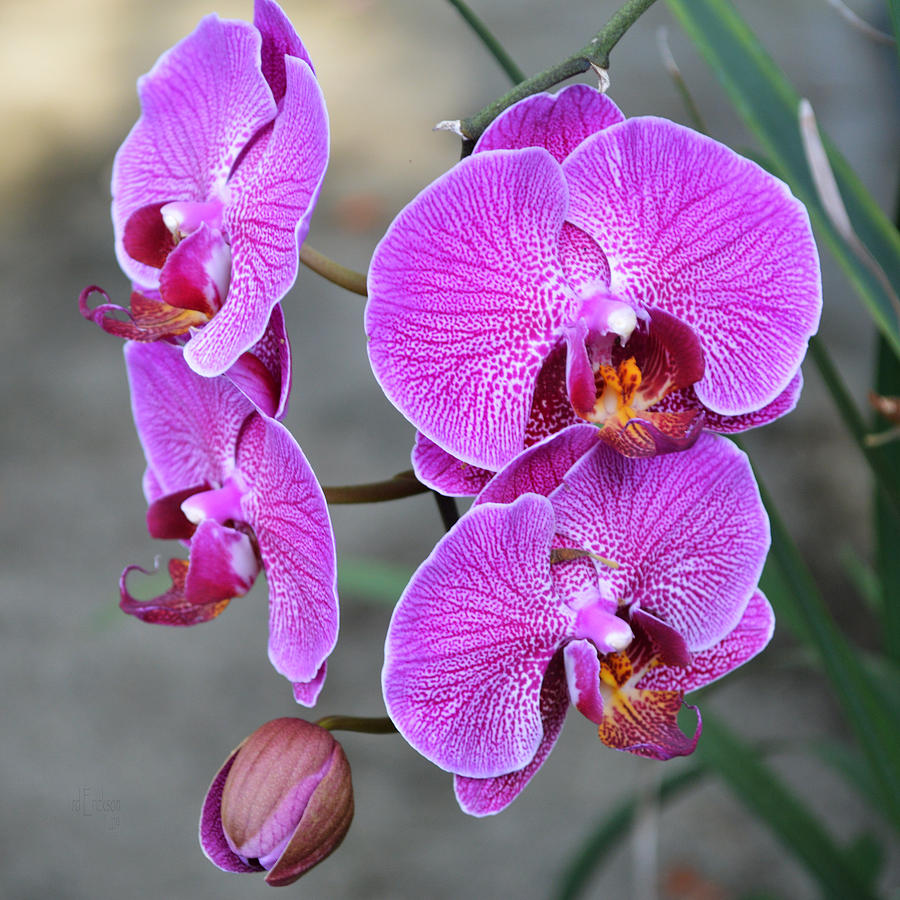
(595, 53)
(504, 60)
(404, 484)
(332, 271)
(362, 724)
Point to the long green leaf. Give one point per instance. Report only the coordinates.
(798, 603)
(769, 105)
(887, 518)
(609, 833)
(796, 827)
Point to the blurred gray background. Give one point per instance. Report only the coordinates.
(100, 707)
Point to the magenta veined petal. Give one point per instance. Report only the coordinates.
(272, 194)
(285, 507)
(466, 301)
(748, 638)
(278, 40)
(541, 468)
(706, 235)
(488, 796)
(183, 147)
(687, 530)
(471, 639)
(443, 472)
(187, 425)
(557, 122)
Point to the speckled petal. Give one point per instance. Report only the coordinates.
(750, 637)
(557, 122)
(443, 472)
(278, 40)
(272, 194)
(488, 796)
(307, 692)
(692, 228)
(187, 425)
(688, 531)
(263, 373)
(200, 105)
(471, 639)
(284, 505)
(466, 299)
(540, 469)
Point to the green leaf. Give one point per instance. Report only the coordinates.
(610, 832)
(798, 603)
(769, 106)
(370, 579)
(887, 518)
(796, 827)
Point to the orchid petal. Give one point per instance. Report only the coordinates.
(749, 637)
(187, 425)
(551, 409)
(557, 122)
(285, 507)
(212, 836)
(584, 263)
(278, 40)
(270, 388)
(540, 469)
(200, 104)
(694, 229)
(471, 639)
(466, 299)
(146, 238)
(165, 519)
(488, 796)
(271, 198)
(307, 692)
(688, 531)
(583, 679)
(443, 472)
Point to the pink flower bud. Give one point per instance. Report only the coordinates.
(282, 802)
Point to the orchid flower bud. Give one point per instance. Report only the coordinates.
(281, 803)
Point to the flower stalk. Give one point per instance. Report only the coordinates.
(403, 484)
(332, 271)
(595, 52)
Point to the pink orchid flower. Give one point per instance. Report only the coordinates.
(214, 187)
(579, 577)
(235, 486)
(579, 266)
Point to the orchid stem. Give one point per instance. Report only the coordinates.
(362, 724)
(404, 484)
(595, 53)
(448, 509)
(494, 47)
(332, 271)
